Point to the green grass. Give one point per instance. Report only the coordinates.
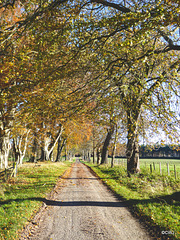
(22, 196)
(152, 197)
(145, 164)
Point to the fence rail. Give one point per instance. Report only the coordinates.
(163, 168)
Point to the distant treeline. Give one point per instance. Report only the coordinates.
(166, 151)
(156, 151)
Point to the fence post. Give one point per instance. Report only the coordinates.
(175, 175)
(160, 168)
(151, 168)
(168, 168)
(154, 166)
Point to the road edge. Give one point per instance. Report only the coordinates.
(153, 230)
(32, 224)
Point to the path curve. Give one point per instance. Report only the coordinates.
(84, 209)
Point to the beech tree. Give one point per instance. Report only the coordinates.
(20, 145)
(97, 46)
(9, 90)
(127, 51)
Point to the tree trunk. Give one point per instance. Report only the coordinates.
(58, 150)
(114, 147)
(94, 156)
(4, 148)
(48, 146)
(113, 155)
(104, 154)
(98, 155)
(61, 144)
(133, 158)
(93, 153)
(34, 149)
(132, 150)
(6, 122)
(18, 149)
(42, 157)
(65, 152)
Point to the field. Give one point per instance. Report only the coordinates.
(22, 196)
(152, 197)
(145, 165)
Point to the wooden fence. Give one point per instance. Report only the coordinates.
(153, 168)
(165, 168)
(9, 172)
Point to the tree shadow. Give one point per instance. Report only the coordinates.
(154, 230)
(172, 199)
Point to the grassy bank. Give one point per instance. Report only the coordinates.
(153, 198)
(21, 197)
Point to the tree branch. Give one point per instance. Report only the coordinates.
(171, 45)
(8, 3)
(119, 7)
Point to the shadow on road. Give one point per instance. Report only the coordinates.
(172, 199)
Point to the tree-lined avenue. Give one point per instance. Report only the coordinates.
(84, 209)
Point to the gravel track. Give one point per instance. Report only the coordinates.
(84, 209)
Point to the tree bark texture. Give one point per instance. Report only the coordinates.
(113, 155)
(132, 149)
(48, 145)
(20, 150)
(114, 146)
(106, 144)
(6, 123)
(61, 144)
(98, 153)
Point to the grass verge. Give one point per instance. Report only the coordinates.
(20, 197)
(155, 199)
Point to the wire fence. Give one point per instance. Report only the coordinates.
(162, 166)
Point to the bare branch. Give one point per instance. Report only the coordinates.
(171, 45)
(119, 7)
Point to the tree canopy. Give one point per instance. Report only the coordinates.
(100, 61)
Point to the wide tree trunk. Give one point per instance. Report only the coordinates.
(48, 145)
(104, 154)
(5, 147)
(6, 123)
(132, 149)
(98, 153)
(20, 150)
(133, 156)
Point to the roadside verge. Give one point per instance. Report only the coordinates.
(157, 210)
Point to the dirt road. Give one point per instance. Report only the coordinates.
(84, 209)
